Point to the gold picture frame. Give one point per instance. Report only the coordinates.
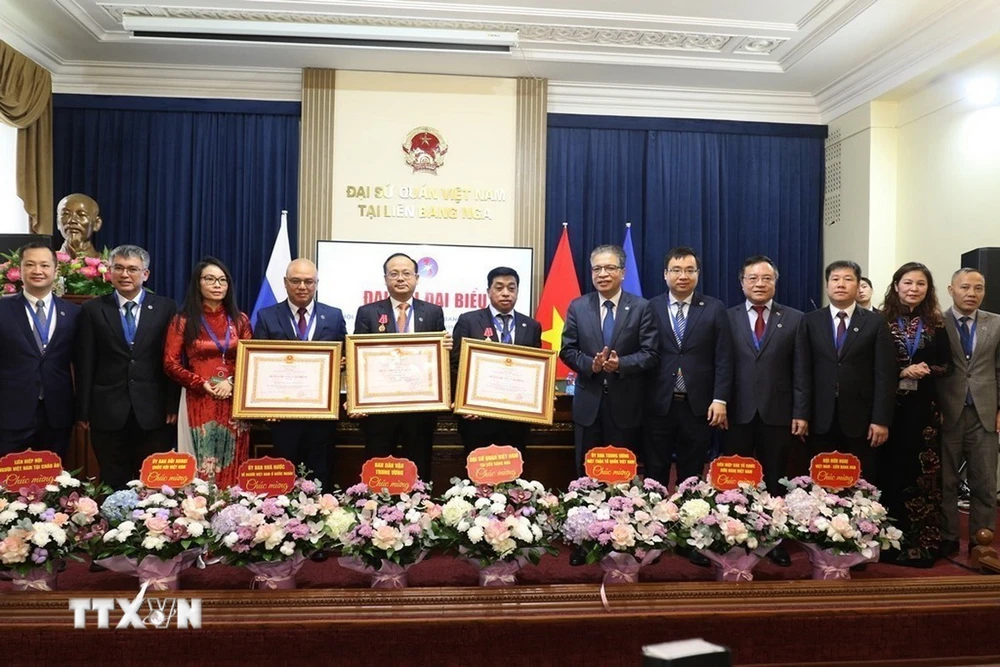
(285, 379)
(501, 381)
(389, 373)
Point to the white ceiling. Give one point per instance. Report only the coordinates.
(785, 60)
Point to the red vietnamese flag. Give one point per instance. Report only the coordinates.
(561, 287)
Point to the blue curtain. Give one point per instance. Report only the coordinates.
(728, 189)
(183, 178)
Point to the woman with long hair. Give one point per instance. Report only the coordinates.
(909, 463)
(200, 355)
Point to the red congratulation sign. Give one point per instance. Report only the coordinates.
(612, 465)
(267, 475)
(173, 469)
(728, 472)
(29, 468)
(833, 470)
(389, 474)
(494, 464)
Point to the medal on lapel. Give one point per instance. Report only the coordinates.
(488, 333)
(382, 320)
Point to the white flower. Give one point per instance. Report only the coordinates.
(693, 510)
(475, 534)
(36, 508)
(230, 539)
(17, 506)
(288, 548)
(483, 502)
(154, 542)
(125, 529)
(7, 516)
(497, 508)
(520, 528)
(840, 529)
(282, 501)
(66, 480)
(154, 499)
(454, 511)
(338, 522)
(110, 535)
(413, 516)
(195, 529)
(52, 487)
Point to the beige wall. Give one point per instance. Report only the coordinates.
(373, 114)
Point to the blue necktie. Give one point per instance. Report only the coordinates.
(130, 320)
(505, 331)
(966, 335)
(679, 325)
(609, 322)
(841, 330)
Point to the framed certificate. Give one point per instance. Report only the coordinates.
(389, 373)
(284, 379)
(510, 382)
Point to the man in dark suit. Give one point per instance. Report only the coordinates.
(501, 324)
(852, 372)
(301, 318)
(609, 340)
(689, 390)
(123, 396)
(37, 335)
(768, 407)
(401, 313)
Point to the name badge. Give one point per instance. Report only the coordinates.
(908, 384)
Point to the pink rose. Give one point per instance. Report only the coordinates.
(92, 261)
(89, 271)
(63, 257)
(14, 274)
(60, 518)
(328, 503)
(13, 550)
(4, 266)
(156, 526)
(194, 508)
(88, 507)
(9, 288)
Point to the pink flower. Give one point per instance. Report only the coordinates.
(88, 507)
(9, 288)
(13, 550)
(89, 271)
(385, 537)
(328, 503)
(92, 261)
(14, 274)
(496, 532)
(63, 257)
(194, 508)
(60, 518)
(156, 526)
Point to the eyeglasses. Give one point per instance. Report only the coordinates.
(215, 280)
(767, 280)
(610, 268)
(687, 272)
(308, 282)
(131, 270)
(400, 274)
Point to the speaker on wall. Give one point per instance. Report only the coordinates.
(987, 262)
(11, 242)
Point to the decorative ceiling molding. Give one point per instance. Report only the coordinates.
(527, 32)
(833, 25)
(29, 47)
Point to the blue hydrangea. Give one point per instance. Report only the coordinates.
(119, 505)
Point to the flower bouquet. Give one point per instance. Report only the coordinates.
(82, 275)
(619, 525)
(392, 533)
(734, 528)
(838, 528)
(40, 526)
(154, 533)
(273, 536)
(499, 528)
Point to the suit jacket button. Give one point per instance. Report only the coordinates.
(131, 381)
(968, 375)
(131, 361)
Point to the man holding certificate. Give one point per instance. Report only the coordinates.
(302, 318)
(413, 432)
(500, 324)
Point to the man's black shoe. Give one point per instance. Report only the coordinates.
(779, 556)
(320, 556)
(695, 558)
(578, 557)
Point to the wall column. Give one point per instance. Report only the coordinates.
(315, 159)
(529, 217)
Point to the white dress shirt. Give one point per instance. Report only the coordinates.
(752, 314)
(836, 320)
(47, 303)
(121, 301)
(409, 313)
(497, 322)
(311, 324)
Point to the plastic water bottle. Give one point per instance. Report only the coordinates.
(570, 383)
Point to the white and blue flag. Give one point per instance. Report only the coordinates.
(273, 286)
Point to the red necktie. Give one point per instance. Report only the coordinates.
(758, 326)
(303, 325)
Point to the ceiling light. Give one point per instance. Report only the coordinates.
(981, 91)
(318, 34)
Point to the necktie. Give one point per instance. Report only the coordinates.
(679, 325)
(130, 319)
(841, 329)
(505, 332)
(43, 324)
(401, 318)
(965, 333)
(608, 328)
(758, 326)
(302, 324)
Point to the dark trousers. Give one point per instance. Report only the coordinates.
(835, 439)
(306, 442)
(38, 436)
(768, 444)
(485, 432)
(120, 453)
(604, 431)
(412, 432)
(680, 434)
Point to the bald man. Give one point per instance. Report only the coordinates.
(78, 218)
(301, 317)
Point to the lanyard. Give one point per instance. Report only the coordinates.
(409, 315)
(215, 339)
(130, 331)
(502, 328)
(911, 344)
(43, 331)
(309, 325)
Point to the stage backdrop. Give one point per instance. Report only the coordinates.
(451, 276)
(728, 189)
(183, 178)
(423, 159)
